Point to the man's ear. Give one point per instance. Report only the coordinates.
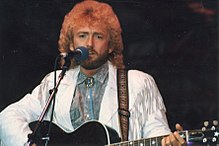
(71, 48)
(110, 50)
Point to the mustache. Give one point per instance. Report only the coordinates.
(91, 50)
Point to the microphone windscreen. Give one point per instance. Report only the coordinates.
(82, 54)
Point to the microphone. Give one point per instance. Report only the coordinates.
(79, 54)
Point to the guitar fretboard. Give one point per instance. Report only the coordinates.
(141, 142)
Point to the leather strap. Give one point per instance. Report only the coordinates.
(123, 102)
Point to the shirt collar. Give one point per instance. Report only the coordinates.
(100, 75)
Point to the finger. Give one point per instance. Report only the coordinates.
(178, 127)
(179, 138)
(167, 141)
(163, 141)
(173, 140)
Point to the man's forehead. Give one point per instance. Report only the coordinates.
(93, 29)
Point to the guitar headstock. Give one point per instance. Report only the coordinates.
(207, 135)
(211, 131)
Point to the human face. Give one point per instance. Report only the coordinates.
(96, 39)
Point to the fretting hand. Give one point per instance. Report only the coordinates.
(174, 139)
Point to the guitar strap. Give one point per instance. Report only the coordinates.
(123, 102)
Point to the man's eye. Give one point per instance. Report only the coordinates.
(81, 36)
(99, 37)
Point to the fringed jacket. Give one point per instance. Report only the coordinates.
(147, 110)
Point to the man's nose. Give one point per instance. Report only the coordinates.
(90, 42)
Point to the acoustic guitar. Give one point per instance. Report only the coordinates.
(94, 133)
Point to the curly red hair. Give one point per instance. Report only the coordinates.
(91, 12)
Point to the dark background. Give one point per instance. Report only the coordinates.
(173, 40)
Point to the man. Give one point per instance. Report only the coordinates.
(89, 91)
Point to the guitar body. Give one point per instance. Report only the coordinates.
(90, 133)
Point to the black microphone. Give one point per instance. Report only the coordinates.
(79, 54)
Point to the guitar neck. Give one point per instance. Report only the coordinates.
(193, 136)
(155, 141)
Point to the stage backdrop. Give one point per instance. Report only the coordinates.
(174, 41)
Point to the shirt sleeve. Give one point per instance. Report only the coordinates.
(148, 117)
(15, 119)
